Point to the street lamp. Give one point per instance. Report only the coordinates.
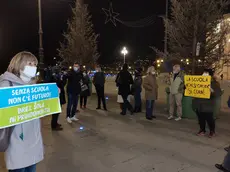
(40, 32)
(124, 52)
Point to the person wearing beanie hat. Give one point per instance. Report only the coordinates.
(204, 107)
(176, 92)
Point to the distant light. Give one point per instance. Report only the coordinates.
(54, 58)
(158, 65)
(187, 60)
(181, 60)
(199, 60)
(130, 67)
(162, 61)
(187, 63)
(107, 98)
(83, 66)
(81, 128)
(158, 61)
(70, 67)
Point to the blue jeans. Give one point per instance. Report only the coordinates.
(72, 105)
(31, 168)
(149, 108)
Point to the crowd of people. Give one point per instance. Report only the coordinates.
(24, 145)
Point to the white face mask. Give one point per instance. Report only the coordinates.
(205, 74)
(28, 73)
(75, 69)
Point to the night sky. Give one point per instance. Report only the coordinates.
(19, 28)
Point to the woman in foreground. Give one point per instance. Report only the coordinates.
(25, 149)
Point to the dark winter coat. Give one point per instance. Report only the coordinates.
(137, 85)
(61, 80)
(99, 79)
(207, 105)
(74, 82)
(86, 81)
(124, 80)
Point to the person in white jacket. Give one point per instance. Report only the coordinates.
(26, 146)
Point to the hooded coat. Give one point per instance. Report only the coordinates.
(26, 144)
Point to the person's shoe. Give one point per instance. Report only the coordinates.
(59, 125)
(78, 111)
(81, 107)
(122, 114)
(149, 118)
(201, 133)
(69, 120)
(74, 119)
(98, 108)
(58, 128)
(154, 117)
(220, 167)
(211, 135)
(85, 107)
(178, 119)
(227, 148)
(170, 117)
(105, 109)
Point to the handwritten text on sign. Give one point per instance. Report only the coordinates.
(21, 104)
(197, 86)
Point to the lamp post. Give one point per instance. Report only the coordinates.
(124, 52)
(40, 32)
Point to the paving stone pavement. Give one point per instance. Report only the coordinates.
(113, 143)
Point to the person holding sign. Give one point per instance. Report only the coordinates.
(204, 107)
(25, 146)
(176, 92)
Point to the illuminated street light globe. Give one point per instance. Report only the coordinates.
(124, 51)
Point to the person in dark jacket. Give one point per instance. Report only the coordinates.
(204, 107)
(85, 90)
(99, 82)
(136, 89)
(60, 79)
(124, 80)
(75, 78)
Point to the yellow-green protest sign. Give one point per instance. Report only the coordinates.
(197, 86)
(20, 104)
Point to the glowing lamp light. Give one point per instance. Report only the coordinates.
(181, 60)
(162, 61)
(70, 67)
(81, 128)
(158, 65)
(158, 61)
(187, 60)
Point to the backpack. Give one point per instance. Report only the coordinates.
(5, 135)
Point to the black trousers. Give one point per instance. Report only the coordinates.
(126, 104)
(204, 117)
(100, 96)
(54, 120)
(83, 100)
